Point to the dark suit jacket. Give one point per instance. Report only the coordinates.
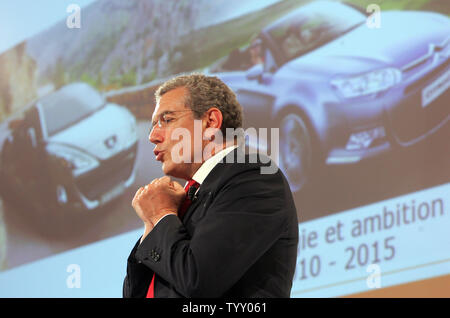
(238, 239)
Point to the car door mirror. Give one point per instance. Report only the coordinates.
(255, 72)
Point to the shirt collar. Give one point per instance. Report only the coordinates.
(201, 174)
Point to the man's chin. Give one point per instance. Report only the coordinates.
(169, 169)
(165, 168)
(173, 170)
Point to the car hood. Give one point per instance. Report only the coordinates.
(105, 133)
(402, 38)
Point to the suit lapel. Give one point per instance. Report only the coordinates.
(212, 181)
(199, 198)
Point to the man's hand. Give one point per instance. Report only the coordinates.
(160, 197)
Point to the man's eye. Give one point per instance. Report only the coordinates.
(168, 120)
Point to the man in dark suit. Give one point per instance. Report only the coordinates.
(233, 230)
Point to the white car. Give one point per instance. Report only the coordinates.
(71, 151)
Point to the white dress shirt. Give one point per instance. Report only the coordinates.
(202, 172)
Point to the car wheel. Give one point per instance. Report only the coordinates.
(55, 218)
(296, 150)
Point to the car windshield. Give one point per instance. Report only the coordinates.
(68, 106)
(311, 26)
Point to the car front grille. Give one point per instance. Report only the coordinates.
(428, 78)
(410, 121)
(109, 174)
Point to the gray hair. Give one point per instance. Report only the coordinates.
(206, 92)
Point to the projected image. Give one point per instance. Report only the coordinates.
(71, 151)
(339, 92)
(360, 99)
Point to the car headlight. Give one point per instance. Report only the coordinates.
(369, 83)
(78, 161)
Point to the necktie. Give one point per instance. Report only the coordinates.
(190, 189)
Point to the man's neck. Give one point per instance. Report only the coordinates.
(209, 154)
(218, 149)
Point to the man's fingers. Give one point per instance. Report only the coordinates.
(138, 192)
(164, 180)
(177, 186)
(137, 195)
(146, 187)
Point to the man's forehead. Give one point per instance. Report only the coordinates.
(173, 100)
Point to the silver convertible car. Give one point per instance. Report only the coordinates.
(70, 151)
(341, 92)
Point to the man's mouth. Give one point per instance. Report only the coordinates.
(159, 155)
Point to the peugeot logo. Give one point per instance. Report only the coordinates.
(110, 142)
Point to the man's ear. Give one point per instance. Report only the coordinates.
(214, 118)
(213, 122)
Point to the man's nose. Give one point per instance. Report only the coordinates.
(156, 135)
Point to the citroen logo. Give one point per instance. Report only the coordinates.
(110, 142)
(435, 51)
(438, 48)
